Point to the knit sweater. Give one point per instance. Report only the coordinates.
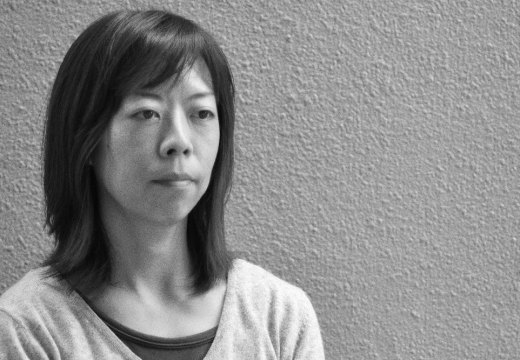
(263, 317)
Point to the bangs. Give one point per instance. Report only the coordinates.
(155, 53)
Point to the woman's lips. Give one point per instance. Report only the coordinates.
(174, 180)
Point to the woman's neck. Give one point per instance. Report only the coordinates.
(151, 283)
(150, 260)
(151, 286)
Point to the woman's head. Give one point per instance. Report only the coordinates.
(115, 56)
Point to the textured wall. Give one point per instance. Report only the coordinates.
(378, 154)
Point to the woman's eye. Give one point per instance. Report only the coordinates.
(205, 114)
(147, 114)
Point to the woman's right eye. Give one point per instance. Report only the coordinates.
(147, 114)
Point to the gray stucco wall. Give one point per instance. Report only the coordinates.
(378, 154)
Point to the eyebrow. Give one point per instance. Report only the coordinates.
(199, 95)
(151, 94)
(145, 93)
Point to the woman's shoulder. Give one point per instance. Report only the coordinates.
(41, 316)
(262, 288)
(34, 292)
(269, 314)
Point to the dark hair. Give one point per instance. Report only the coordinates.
(116, 54)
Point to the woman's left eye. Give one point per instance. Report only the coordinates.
(205, 114)
(147, 114)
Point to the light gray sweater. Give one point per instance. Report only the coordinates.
(263, 318)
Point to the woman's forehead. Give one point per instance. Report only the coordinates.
(193, 80)
(197, 75)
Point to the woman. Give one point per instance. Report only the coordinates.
(138, 164)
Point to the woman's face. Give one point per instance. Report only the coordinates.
(155, 159)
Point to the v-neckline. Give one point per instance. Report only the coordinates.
(102, 326)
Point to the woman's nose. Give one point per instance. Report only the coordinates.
(176, 137)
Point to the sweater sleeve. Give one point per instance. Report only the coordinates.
(307, 344)
(16, 342)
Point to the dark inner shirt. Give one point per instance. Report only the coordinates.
(147, 347)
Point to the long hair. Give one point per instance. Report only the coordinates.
(119, 53)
